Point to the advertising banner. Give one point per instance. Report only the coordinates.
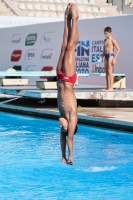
(13, 21)
(37, 47)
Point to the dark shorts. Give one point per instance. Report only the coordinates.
(109, 55)
(66, 133)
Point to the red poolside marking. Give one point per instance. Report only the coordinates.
(103, 116)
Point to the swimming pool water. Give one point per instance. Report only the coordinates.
(31, 169)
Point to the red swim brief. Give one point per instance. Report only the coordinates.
(62, 77)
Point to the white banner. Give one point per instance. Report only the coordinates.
(37, 47)
(13, 21)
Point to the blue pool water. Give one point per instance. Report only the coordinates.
(31, 169)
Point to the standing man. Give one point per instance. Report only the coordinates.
(110, 58)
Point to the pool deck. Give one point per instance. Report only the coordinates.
(114, 118)
(85, 92)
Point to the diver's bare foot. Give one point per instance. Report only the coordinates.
(109, 90)
(74, 12)
(70, 161)
(67, 12)
(64, 160)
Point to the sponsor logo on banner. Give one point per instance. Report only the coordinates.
(30, 54)
(30, 68)
(31, 39)
(96, 52)
(46, 38)
(16, 39)
(46, 68)
(16, 55)
(82, 56)
(46, 54)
